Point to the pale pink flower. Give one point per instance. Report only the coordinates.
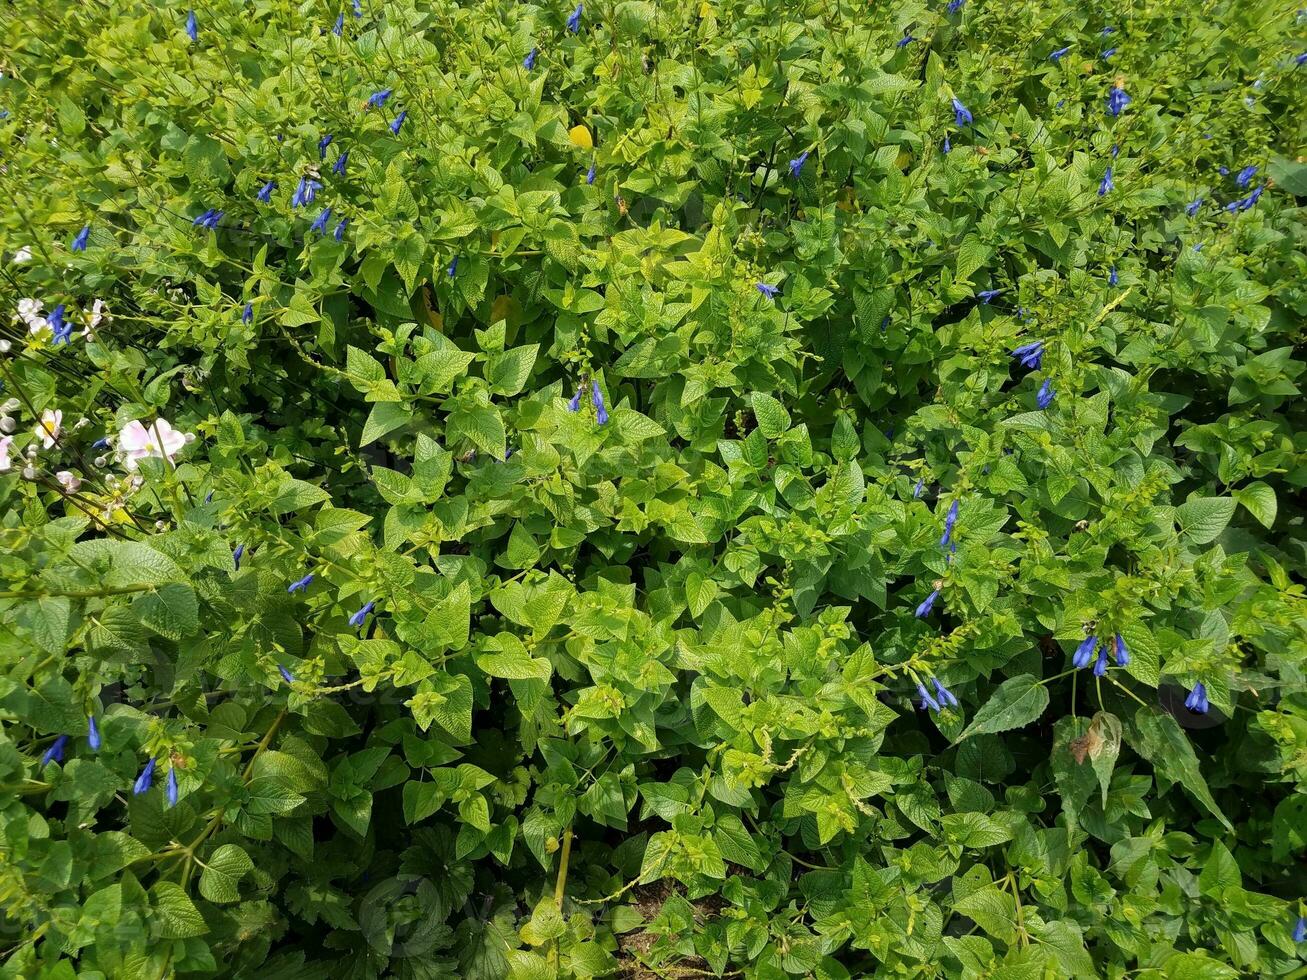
(48, 429)
(68, 481)
(5, 462)
(136, 442)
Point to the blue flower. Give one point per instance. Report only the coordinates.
(1085, 652)
(265, 192)
(948, 147)
(916, 491)
(1244, 176)
(286, 675)
(398, 121)
(1223, 171)
(338, 167)
(320, 222)
(339, 233)
(1106, 31)
(1192, 207)
(1045, 396)
(1199, 246)
(906, 39)
(377, 99)
(1059, 54)
(1100, 665)
(63, 330)
(575, 404)
(1301, 60)
(590, 174)
(170, 791)
(766, 289)
(1122, 654)
(247, 314)
(55, 753)
(305, 192)
(1108, 53)
(302, 585)
(927, 604)
(339, 28)
(950, 519)
(358, 618)
(192, 27)
(1197, 699)
(796, 165)
(1252, 198)
(146, 779)
(92, 733)
(1300, 927)
(961, 115)
(1030, 355)
(323, 144)
(209, 219)
(1116, 150)
(529, 62)
(985, 295)
(79, 243)
(358, 8)
(453, 267)
(1117, 100)
(574, 21)
(237, 555)
(955, 5)
(1106, 184)
(597, 398)
(927, 701)
(1112, 277)
(943, 694)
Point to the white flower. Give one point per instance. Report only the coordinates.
(68, 481)
(5, 462)
(97, 314)
(136, 442)
(48, 430)
(37, 324)
(24, 254)
(28, 308)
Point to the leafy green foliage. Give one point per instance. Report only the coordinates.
(528, 568)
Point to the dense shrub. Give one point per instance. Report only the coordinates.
(658, 490)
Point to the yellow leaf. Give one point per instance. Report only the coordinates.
(580, 136)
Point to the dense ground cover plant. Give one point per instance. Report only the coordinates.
(652, 490)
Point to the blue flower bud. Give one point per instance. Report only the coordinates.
(1112, 277)
(529, 62)
(170, 790)
(950, 519)
(453, 267)
(1300, 927)
(1059, 54)
(948, 147)
(247, 314)
(766, 289)
(574, 21)
(985, 295)
(1122, 654)
(575, 404)
(961, 115)
(923, 610)
(590, 174)
(55, 753)
(398, 121)
(597, 397)
(377, 99)
(286, 675)
(237, 555)
(192, 27)
(796, 165)
(265, 192)
(1117, 100)
(955, 5)
(916, 490)
(320, 222)
(339, 28)
(79, 243)
(1197, 699)
(1100, 665)
(301, 585)
(1108, 54)
(322, 146)
(339, 233)
(338, 168)
(146, 779)
(92, 733)
(1106, 183)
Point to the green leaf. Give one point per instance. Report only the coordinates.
(171, 610)
(1159, 739)
(1259, 500)
(175, 915)
(1204, 518)
(222, 873)
(773, 420)
(1018, 701)
(507, 372)
(384, 417)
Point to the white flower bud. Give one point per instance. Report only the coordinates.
(29, 473)
(7, 425)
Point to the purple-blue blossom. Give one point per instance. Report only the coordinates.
(927, 604)
(1085, 652)
(320, 222)
(1045, 396)
(286, 675)
(796, 165)
(961, 114)
(338, 168)
(1117, 100)
(1122, 653)
(1106, 184)
(323, 144)
(597, 398)
(305, 193)
(359, 617)
(574, 19)
(55, 753)
(237, 555)
(339, 233)
(92, 733)
(247, 314)
(950, 519)
(766, 289)
(1197, 699)
(301, 585)
(943, 694)
(192, 27)
(170, 790)
(146, 779)
(265, 192)
(1059, 54)
(529, 62)
(927, 700)
(1030, 355)
(377, 99)
(398, 121)
(79, 243)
